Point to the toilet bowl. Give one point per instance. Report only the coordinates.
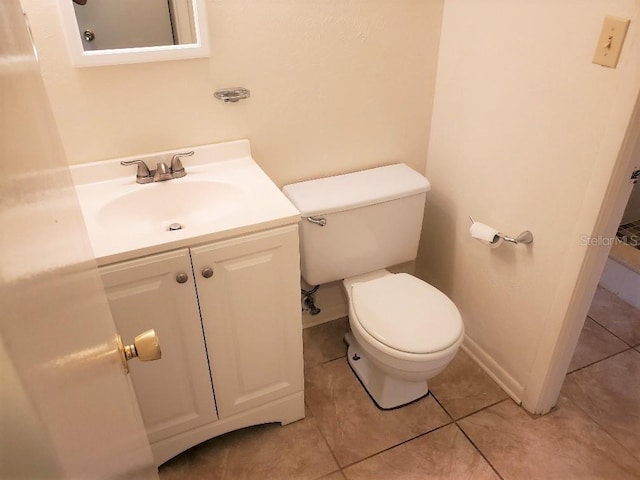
(403, 332)
(353, 227)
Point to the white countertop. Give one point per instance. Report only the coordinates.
(256, 204)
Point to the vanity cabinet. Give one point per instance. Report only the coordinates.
(250, 311)
(230, 336)
(174, 393)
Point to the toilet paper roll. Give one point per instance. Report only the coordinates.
(486, 234)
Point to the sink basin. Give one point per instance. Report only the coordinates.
(153, 207)
(224, 194)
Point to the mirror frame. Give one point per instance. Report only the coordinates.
(119, 56)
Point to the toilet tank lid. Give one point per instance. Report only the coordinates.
(354, 190)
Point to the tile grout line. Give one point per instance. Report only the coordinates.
(325, 441)
(452, 422)
(603, 427)
(398, 444)
(595, 420)
(472, 442)
(478, 450)
(486, 407)
(455, 422)
(342, 468)
(609, 331)
(598, 361)
(442, 406)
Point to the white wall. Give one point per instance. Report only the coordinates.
(525, 133)
(335, 86)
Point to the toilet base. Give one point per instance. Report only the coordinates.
(386, 391)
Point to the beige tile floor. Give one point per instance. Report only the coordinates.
(467, 428)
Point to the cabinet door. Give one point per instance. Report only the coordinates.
(251, 315)
(175, 392)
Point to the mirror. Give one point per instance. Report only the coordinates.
(113, 32)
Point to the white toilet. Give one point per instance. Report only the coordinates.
(354, 226)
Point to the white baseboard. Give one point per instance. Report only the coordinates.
(622, 281)
(499, 375)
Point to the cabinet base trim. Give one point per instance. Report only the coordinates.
(284, 411)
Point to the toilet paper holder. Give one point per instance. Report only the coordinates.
(525, 237)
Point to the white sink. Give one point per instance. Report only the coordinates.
(182, 201)
(224, 194)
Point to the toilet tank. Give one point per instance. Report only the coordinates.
(372, 220)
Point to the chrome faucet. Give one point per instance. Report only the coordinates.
(162, 172)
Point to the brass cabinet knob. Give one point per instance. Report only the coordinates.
(182, 278)
(207, 272)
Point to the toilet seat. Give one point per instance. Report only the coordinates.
(406, 314)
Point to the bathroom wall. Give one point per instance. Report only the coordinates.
(335, 86)
(525, 133)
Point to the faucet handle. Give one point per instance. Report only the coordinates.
(177, 169)
(143, 170)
